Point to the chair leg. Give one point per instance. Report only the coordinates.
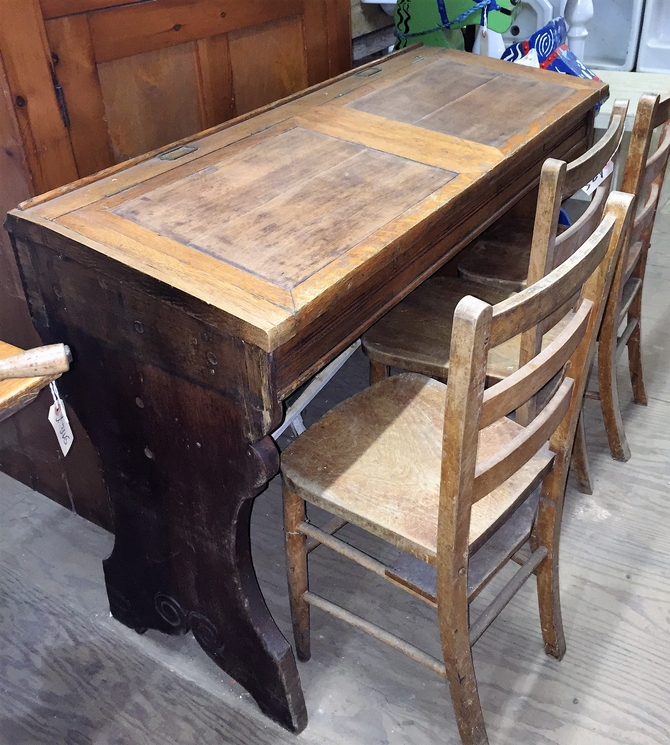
(546, 533)
(296, 570)
(635, 353)
(378, 372)
(580, 459)
(609, 395)
(454, 626)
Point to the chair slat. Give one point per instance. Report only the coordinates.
(644, 219)
(527, 308)
(571, 239)
(588, 166)
(500, 466)
(510, 393)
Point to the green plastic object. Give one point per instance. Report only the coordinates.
(436, 24)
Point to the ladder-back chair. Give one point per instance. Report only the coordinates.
(414, 335)
(444, 474)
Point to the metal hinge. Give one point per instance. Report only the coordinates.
(60, 93)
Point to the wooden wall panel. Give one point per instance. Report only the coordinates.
(215, 85)
(15, 186)
(151, 99)
(57, 8)
(268, 63)
(338, 26)
(314, 22)
(126, 31)
(74, 60)
(27, 61)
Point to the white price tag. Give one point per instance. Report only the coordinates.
(597, 180)
(59, 421)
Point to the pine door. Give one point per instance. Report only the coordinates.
(95, 82)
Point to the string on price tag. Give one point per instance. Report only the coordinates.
(59, 421)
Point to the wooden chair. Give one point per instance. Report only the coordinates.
(24, 374)
(443, 473)
(643, 176)
(414, 335)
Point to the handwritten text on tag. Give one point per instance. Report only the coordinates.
(59, 421)
(597, 180)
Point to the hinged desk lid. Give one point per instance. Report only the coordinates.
(267, 218)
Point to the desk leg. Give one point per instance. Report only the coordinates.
(182, 478)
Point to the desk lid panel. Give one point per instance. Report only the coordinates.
(479, 105)
(243, 211)
(274, 218)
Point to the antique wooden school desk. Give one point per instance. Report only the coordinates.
(199, 286)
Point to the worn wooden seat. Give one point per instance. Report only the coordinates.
(643, 176)
(409, 335)
(444, 474)
(24, 374)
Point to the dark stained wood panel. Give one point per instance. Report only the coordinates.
(443, 97)
(246, 208)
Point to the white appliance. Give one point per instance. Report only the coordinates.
(654, 54)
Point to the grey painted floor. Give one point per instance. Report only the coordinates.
(71, 674)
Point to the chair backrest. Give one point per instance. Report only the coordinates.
(643, 176)
(477, 327)
(549, 249)
(558, 181)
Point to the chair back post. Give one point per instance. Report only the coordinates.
(552, 183)
(552, 180)
(596, 289)
(640, 142)
(465, 393)
(661, 118)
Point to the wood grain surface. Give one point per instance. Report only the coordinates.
(245, 213)
(365, 211)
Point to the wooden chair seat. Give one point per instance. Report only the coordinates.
(375, 461)
(416, 334)
(501, 255)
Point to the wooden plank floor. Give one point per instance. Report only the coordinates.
(70, 674)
